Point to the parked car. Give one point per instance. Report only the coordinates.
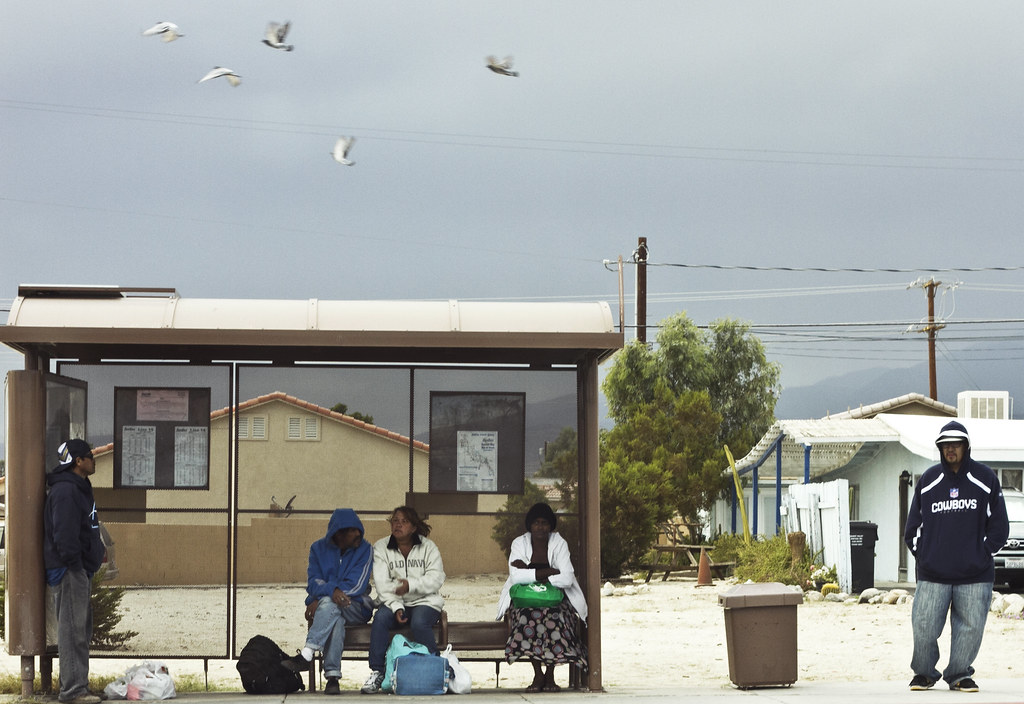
(1010, 560)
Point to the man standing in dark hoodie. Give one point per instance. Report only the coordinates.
(957, 522)
(72, 552)
(338, 593)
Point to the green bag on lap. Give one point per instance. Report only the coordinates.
(535, 594)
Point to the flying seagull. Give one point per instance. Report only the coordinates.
(168, 31)
(504, 67)
(340, 152)
(275, 36)
(218, 71)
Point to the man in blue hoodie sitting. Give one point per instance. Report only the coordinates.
(338, 593)
(957, 522)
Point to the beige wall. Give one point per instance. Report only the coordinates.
(275, 550)
(347, 467)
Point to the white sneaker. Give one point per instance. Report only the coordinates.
(373, 683)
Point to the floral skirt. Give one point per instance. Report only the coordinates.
(547, 635)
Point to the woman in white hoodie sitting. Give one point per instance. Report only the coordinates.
(408, 574)
(545, 636)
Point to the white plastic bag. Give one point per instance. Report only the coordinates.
(461, 682)
(146, 681)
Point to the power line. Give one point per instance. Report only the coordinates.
(857, 270)
(653, 150)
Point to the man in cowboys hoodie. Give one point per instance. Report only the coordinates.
(338, 593)
(957, 522)
(72, 552)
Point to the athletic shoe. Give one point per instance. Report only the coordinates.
(332, 686)
(373, 683)
(921, 682)
(965, 685)
(296, 663)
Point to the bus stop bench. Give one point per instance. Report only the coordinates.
(472, 641)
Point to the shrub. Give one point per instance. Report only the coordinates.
(726, 548)
(106, 615)
(770, 560)
(106, 606)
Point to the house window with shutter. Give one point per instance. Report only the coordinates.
(259, 428)
(303, 428)
(252, 427)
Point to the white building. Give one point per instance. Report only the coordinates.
(881, 451)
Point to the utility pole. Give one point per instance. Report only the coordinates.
(931, 328)
(640, 257)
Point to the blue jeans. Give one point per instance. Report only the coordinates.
(421, 626)
(327, 634)
(967, 606)
(74, 631)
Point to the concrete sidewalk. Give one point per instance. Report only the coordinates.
(1007, 691)
(1003, 691)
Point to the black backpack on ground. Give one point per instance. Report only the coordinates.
(259, 666)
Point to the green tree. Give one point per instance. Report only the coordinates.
(661, 460)
(556, 451)
(725, 360)
(508, 523)
(343, 410)
(642, 481)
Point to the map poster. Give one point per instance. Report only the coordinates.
(478, 460)
(465, 455)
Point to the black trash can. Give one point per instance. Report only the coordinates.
(863, 536)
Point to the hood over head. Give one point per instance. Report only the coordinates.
(953, 431)
(341, 519)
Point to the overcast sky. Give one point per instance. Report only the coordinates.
(852, 135)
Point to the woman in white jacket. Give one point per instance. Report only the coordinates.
(545, 636)
(408, 574)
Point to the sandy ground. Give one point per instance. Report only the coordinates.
(662, 634)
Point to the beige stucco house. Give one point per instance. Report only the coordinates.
(297, 462)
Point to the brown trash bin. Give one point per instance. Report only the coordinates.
(760, 634)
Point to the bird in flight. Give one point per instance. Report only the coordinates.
(275, 35)
(167, 31)
(340, 152)
(504, 66)
(218, 71)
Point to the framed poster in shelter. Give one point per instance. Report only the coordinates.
(477, 442)
(161, 438)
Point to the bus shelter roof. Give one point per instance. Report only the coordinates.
(95, 323)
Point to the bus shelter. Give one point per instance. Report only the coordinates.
(157, 375)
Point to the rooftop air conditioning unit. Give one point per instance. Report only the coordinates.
(984, 404)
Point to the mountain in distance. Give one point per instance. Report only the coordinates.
(843, 392)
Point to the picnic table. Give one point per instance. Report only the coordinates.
(683, 558)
